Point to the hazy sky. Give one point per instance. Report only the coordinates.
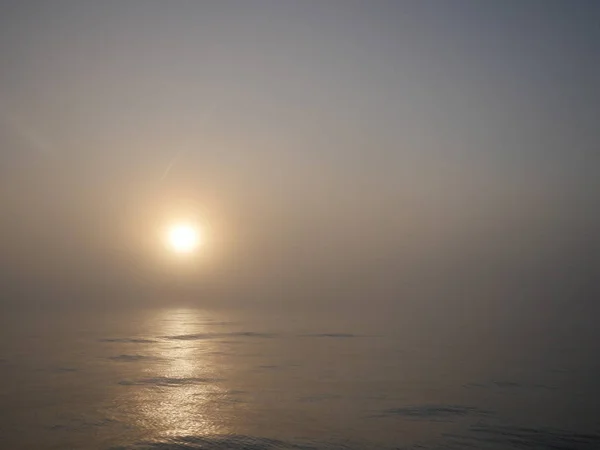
(343, 152)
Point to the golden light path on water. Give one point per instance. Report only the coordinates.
(179, 396)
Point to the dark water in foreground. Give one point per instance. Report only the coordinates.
(196, 379)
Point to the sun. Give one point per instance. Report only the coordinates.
(183, 238)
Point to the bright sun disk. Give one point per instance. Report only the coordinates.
(183, 238)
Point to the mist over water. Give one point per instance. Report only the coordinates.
(181, 378)
(393, 209)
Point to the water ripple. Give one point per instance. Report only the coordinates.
(516, 437)
(168, 381)
(201, 336)
(132, 358)
(232, 442)
(436, 411)
(331, 335)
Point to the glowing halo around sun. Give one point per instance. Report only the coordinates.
(184, 238)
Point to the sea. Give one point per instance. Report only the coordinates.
(190, 378)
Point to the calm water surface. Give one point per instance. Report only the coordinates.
(199, 379)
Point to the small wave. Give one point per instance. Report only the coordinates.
(130, 358)
(66, 369)
(129, 340)
(318, 398)
(331, 335)
(223, 398)
(168, 381)
(436, 411)
(507, 385)
(78, 423)
(524, 437)
(232, 442)
(218, 323)
(253, 334)
(202, 336)
(190, 337)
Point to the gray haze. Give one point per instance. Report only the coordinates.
(433, 159)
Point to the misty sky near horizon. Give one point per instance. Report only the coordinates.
(346, 153)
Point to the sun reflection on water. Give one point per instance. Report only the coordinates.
(177, 396)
